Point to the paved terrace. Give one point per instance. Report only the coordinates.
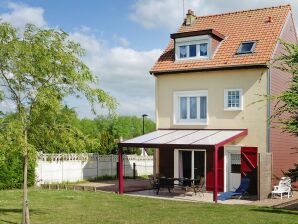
(141, 188)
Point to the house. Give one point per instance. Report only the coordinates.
(212, 113)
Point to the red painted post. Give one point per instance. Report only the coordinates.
(215, 187)
(120, 162)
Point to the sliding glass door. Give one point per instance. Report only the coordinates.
(192, 163)
(199, 164)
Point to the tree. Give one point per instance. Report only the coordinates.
(286, 112)
(58, 131)
(38, 68)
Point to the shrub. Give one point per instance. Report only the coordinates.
(11, 158)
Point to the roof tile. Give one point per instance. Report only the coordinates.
(236, 27)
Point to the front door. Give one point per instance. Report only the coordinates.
(234, 171)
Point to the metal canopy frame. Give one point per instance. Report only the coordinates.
(176, 135)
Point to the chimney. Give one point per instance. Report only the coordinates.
(190, 17)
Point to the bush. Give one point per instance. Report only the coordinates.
(293, 173)
(11, 158)
(11, 170)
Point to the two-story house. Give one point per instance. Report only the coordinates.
(213, 85)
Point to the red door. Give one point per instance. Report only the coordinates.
(210, 170)
(249, 167)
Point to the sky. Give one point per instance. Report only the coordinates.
(122, 38)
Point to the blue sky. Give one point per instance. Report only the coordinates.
(122, 38)
(108, 18)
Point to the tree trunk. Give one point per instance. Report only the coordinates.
(26, 218)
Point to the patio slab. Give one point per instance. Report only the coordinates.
(180, 196)
(277, 202)
(130, 185)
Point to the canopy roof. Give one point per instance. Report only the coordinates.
(185, 138)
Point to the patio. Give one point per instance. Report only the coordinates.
(180, 195)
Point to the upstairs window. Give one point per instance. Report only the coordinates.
(193, 51)
(246, 47)
(233, 99)
(182, 52)
(190, 107)
(192, 47)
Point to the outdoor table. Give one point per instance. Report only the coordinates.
(170, 183)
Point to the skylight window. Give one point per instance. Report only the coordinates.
(246, 47)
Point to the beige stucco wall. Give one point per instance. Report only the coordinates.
(253, 82)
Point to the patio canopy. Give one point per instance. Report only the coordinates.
(183, 139)
(190, 139)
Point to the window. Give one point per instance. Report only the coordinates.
(190, 107)
(233, 99)
(235, 163)
(192, 47)
(246, 47)
(203, 49)
(182, 51)
(193, 51)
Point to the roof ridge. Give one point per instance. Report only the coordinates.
(248, 10)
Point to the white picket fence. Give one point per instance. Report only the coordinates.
(57, 168)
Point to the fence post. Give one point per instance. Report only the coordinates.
(134, 170)
(111, 165)
(97, 158)
(62, 167)
(117, 170)
(124, 166)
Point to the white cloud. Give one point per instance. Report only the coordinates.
(169, 14)
(87, 39)
(122, 71)
(21, 14)
(121, 40)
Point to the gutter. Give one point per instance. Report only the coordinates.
(231, 67)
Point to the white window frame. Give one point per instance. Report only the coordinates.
(226, 91)
(176, 110)
(187, 41)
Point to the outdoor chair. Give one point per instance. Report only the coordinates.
(200, 186)
(154, 183)
(239, 192)
(161, 182)
(283, 188)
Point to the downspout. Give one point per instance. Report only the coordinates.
(268, 108)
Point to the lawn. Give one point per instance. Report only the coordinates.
(99, 207)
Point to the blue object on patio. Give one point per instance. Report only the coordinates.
(240, 191)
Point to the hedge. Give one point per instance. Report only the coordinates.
(11, 170)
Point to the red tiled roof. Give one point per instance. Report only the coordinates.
(236, 27)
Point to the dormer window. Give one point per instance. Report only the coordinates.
(192, 47)
(193, 51)
(246, 47)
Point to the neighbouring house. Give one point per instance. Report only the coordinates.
(212, 107)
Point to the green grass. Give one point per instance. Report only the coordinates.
(99, 207)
